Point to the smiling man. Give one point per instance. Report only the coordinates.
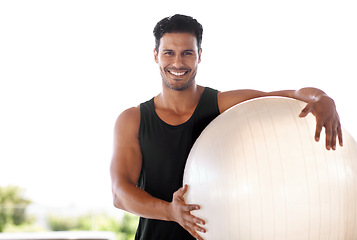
(152, 141)
(178, 71)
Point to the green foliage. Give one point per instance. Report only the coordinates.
(128, 227)
(13, 206)
(13, 218)
(124, 228)
(60, 223)
(24, 227)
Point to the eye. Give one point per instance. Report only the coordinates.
(168, 53)
(187, 53)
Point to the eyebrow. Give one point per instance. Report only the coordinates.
(170, 50)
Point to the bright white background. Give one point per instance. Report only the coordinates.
(68, 68)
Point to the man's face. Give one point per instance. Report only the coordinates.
(178, 58)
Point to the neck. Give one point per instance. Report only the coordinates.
(179, 101)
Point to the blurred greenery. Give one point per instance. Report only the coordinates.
(124, 228)
(13, 218)
(13, 204)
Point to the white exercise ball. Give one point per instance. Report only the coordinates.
(257, 173)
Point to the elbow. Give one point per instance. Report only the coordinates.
(117, 202)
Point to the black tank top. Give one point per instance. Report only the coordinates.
(165, 149)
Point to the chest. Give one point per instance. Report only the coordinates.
(174, 118)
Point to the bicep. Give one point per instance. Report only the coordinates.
(127, 159)
(228, 99)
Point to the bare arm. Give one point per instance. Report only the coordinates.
(231, 98)
(318, 103)
(125, 171)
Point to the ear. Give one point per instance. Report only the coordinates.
(199, 55)
(156, 56)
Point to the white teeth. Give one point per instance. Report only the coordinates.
(178, 73)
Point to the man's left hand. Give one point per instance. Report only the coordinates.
(326, 115)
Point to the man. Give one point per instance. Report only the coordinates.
(153, 140)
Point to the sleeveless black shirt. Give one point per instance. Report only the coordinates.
(165, 149)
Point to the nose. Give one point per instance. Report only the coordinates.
(178, 61)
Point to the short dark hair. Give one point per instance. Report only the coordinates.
(178, 24)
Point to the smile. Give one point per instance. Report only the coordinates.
(178, 73)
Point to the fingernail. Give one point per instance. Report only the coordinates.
(201, 230)
(201, 222)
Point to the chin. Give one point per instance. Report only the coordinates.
(178, 85)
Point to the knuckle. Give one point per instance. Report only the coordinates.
(193, 207)
(175, 194)
(188, 218)
(189, 227)
(319, 125)
(185, 208)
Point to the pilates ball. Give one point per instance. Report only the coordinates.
(257, 173)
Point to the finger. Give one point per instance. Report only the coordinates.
(333, 138)
(190, 207)
(328, 133)
(180, 192)
(339, 134)
(305, 111)
(194, 233)
(183, 190)
(193, 229)
(196, 227)
(199, 229)
(195, 220)
(318, 130)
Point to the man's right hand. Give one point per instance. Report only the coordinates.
(181, 213)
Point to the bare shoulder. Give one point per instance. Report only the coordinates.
(126, 137)
(126, 159)
(130, 114)
(128, 120)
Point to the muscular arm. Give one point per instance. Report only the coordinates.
(231, 98)
(125, 171)
(318, 103)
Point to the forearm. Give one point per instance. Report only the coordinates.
(307, 95)
(231, 98)
(318, 103)
(137, 201)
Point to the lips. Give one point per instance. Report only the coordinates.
(178, 72)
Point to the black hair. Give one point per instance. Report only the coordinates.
(178, 24)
